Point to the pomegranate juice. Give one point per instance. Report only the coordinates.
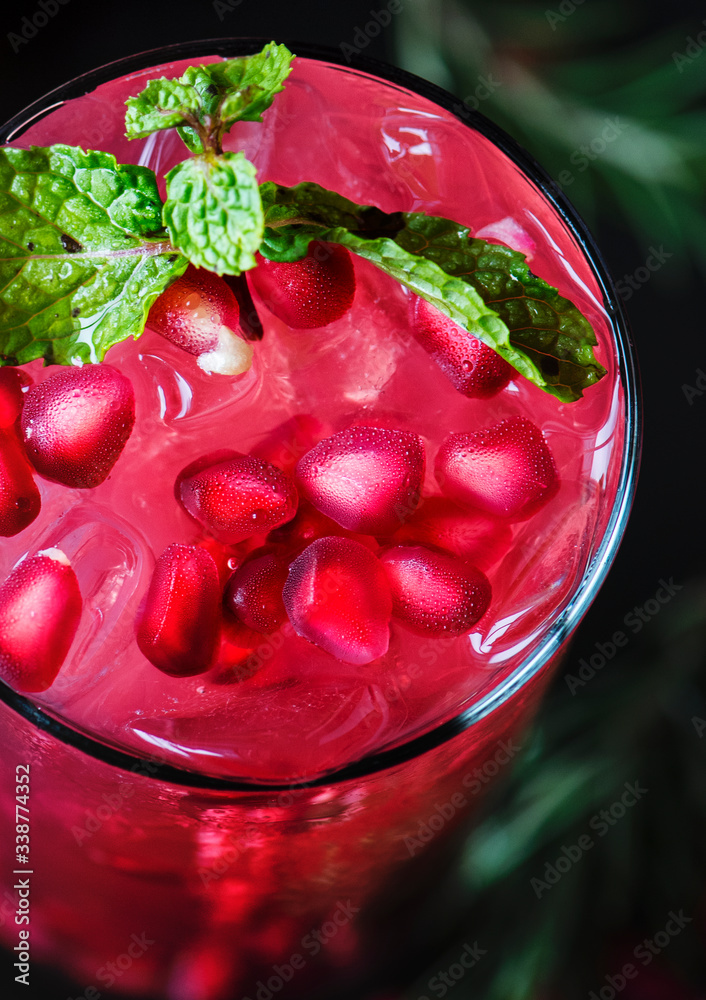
(254, 817)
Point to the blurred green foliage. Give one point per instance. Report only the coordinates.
(555, 74)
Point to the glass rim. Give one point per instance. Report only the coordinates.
(594, 573)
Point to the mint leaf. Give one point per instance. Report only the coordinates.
(206, 101)
(486, 288)
(213, 212)
(249, 85)
(162, 104)
(82, 253)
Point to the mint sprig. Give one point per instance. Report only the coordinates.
(83, 254)
(207, 101)
(487, 288)
(213, 211)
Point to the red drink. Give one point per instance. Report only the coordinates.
(299, 799)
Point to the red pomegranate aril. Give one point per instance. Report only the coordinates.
(178, 624)
(434, 592)
(40, 610)
(20, 501)
(471, 534)
(506, 470)
(338, 598)
(254, 592)
(473, 368)
(311, 292)
(200, 314)
(235, 496)
(368, 479)
(12, 382)
(76, 424)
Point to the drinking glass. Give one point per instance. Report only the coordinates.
(173, 878)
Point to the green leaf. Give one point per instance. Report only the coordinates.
(248, 85)
(486, 288)
(82, 253)
(213, 212)
(162, 104)
(207, 100)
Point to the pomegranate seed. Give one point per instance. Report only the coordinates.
(475, 369)
(76, 424)
(311, 292)
(12, 382)
(40, 609)
(235, 496)
(200, 314)
(337, 597)
(19, 497)
(506, 470)
(368, 479)
(254, 592)
(178, 624)
(439, 523)
(433, 592)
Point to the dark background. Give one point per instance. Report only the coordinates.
(665, 536)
